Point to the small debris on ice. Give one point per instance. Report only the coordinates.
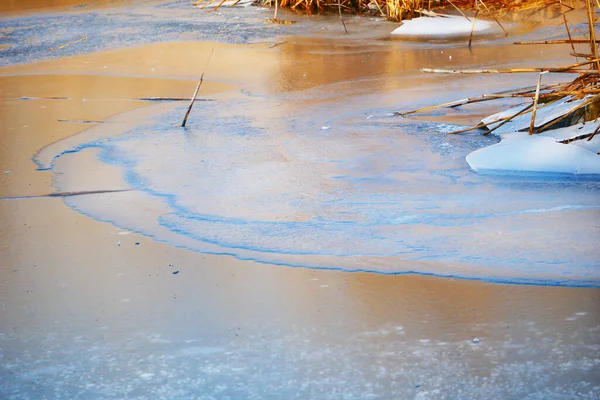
(118, 243)
(475, 341)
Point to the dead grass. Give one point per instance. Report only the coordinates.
(586, 86)
(398, 10)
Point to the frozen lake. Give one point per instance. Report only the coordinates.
(296, 240)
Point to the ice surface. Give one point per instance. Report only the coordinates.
(354, 197)
(443, 27)
(307, 363)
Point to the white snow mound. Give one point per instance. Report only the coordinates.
(444, 27)
(522, 154)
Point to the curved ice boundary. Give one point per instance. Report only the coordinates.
(355, 197)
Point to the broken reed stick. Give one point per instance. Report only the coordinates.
(502, 122)
(472, 100)
(535, 102)
(566, 23)
(481, 71)
(454, 103)
(66, 194)
(508, 119)
(593, 44)
(566, 69)
(196, 91)
(594, 134)
(219, 5)
(341, 17)
(588, 136)
(558, 41)
(205, 4)
(472, 128)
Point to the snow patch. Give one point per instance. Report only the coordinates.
(554, 151)
(524, 154)
(443, 27)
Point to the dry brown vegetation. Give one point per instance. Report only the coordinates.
(585, 87)
(398, 10)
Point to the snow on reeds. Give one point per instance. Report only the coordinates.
(556, 129)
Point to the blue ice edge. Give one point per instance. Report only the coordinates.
(106, 155)
(535, 175)
(592, 284)
(489, 279)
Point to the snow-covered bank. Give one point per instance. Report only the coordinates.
(543, 153)
(444, 27)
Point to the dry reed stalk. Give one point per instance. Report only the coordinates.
(473, 27)
(341, 17)
(219, 5)
(507, 94)
(398, 10)
(502, 122)
(494, 17)
(585, 86)
(187, 114)
(593, 43)
(508, 119)
(209, 2)
(588, 136)
(572, 68)
(570, 113)
(558, 41)
(566, 22)
(459, 10)
(535, 102)
(594, 134)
